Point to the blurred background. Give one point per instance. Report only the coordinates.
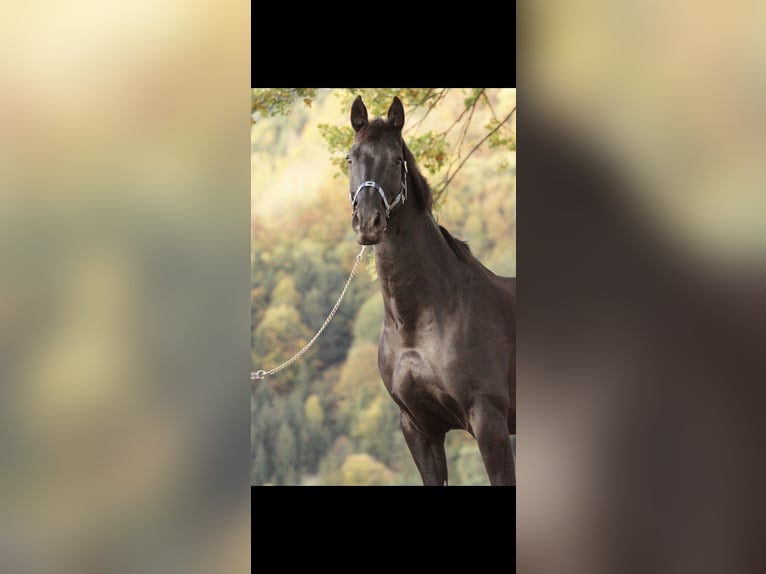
(642, 315)
(124, 242)
(327, 419)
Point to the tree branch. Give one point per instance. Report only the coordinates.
(491, 109)
(460, 117)
(439, 97)
(485, 138)
(461, 138)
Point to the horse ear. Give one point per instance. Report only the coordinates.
(358, 114)
(396, 114)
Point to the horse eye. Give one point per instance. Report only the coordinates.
(348, 159)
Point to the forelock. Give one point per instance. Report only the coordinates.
(378, 130)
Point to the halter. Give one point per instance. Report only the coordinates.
(400, 198)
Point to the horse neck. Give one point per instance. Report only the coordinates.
(414, 265)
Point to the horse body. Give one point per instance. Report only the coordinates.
(447, 346)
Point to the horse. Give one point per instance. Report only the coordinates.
(448, 343)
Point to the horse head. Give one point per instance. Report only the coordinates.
(377, 170)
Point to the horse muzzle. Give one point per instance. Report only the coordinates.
(369, 223)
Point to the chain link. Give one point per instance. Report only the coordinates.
(261, 374)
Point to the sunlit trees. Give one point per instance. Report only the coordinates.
(279, 334)
(359, 381)
(443, 152)
(369, 319)
(361, 469)
(285, 455)
(314, 433)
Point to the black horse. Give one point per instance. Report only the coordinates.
(447, 348)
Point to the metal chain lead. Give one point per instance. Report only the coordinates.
(261, 374)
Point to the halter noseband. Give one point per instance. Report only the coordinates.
(400, 198)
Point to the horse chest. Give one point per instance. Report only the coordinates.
(414, 378)
(431, 332)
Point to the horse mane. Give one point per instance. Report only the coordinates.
(460, 248)
(419, 189)
(425, 200)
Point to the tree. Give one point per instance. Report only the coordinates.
(469, 468)
(278, 336)
(359, 380)
(314, 412)
(285, 456)
(333, 462)
(314, 433)
(361, 469)
(369, 320)
(285, 293)
(262, 433)
(259, 469)
(376, 426)
(444, 152)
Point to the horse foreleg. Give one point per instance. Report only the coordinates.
(427, 451)
(490, 427)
